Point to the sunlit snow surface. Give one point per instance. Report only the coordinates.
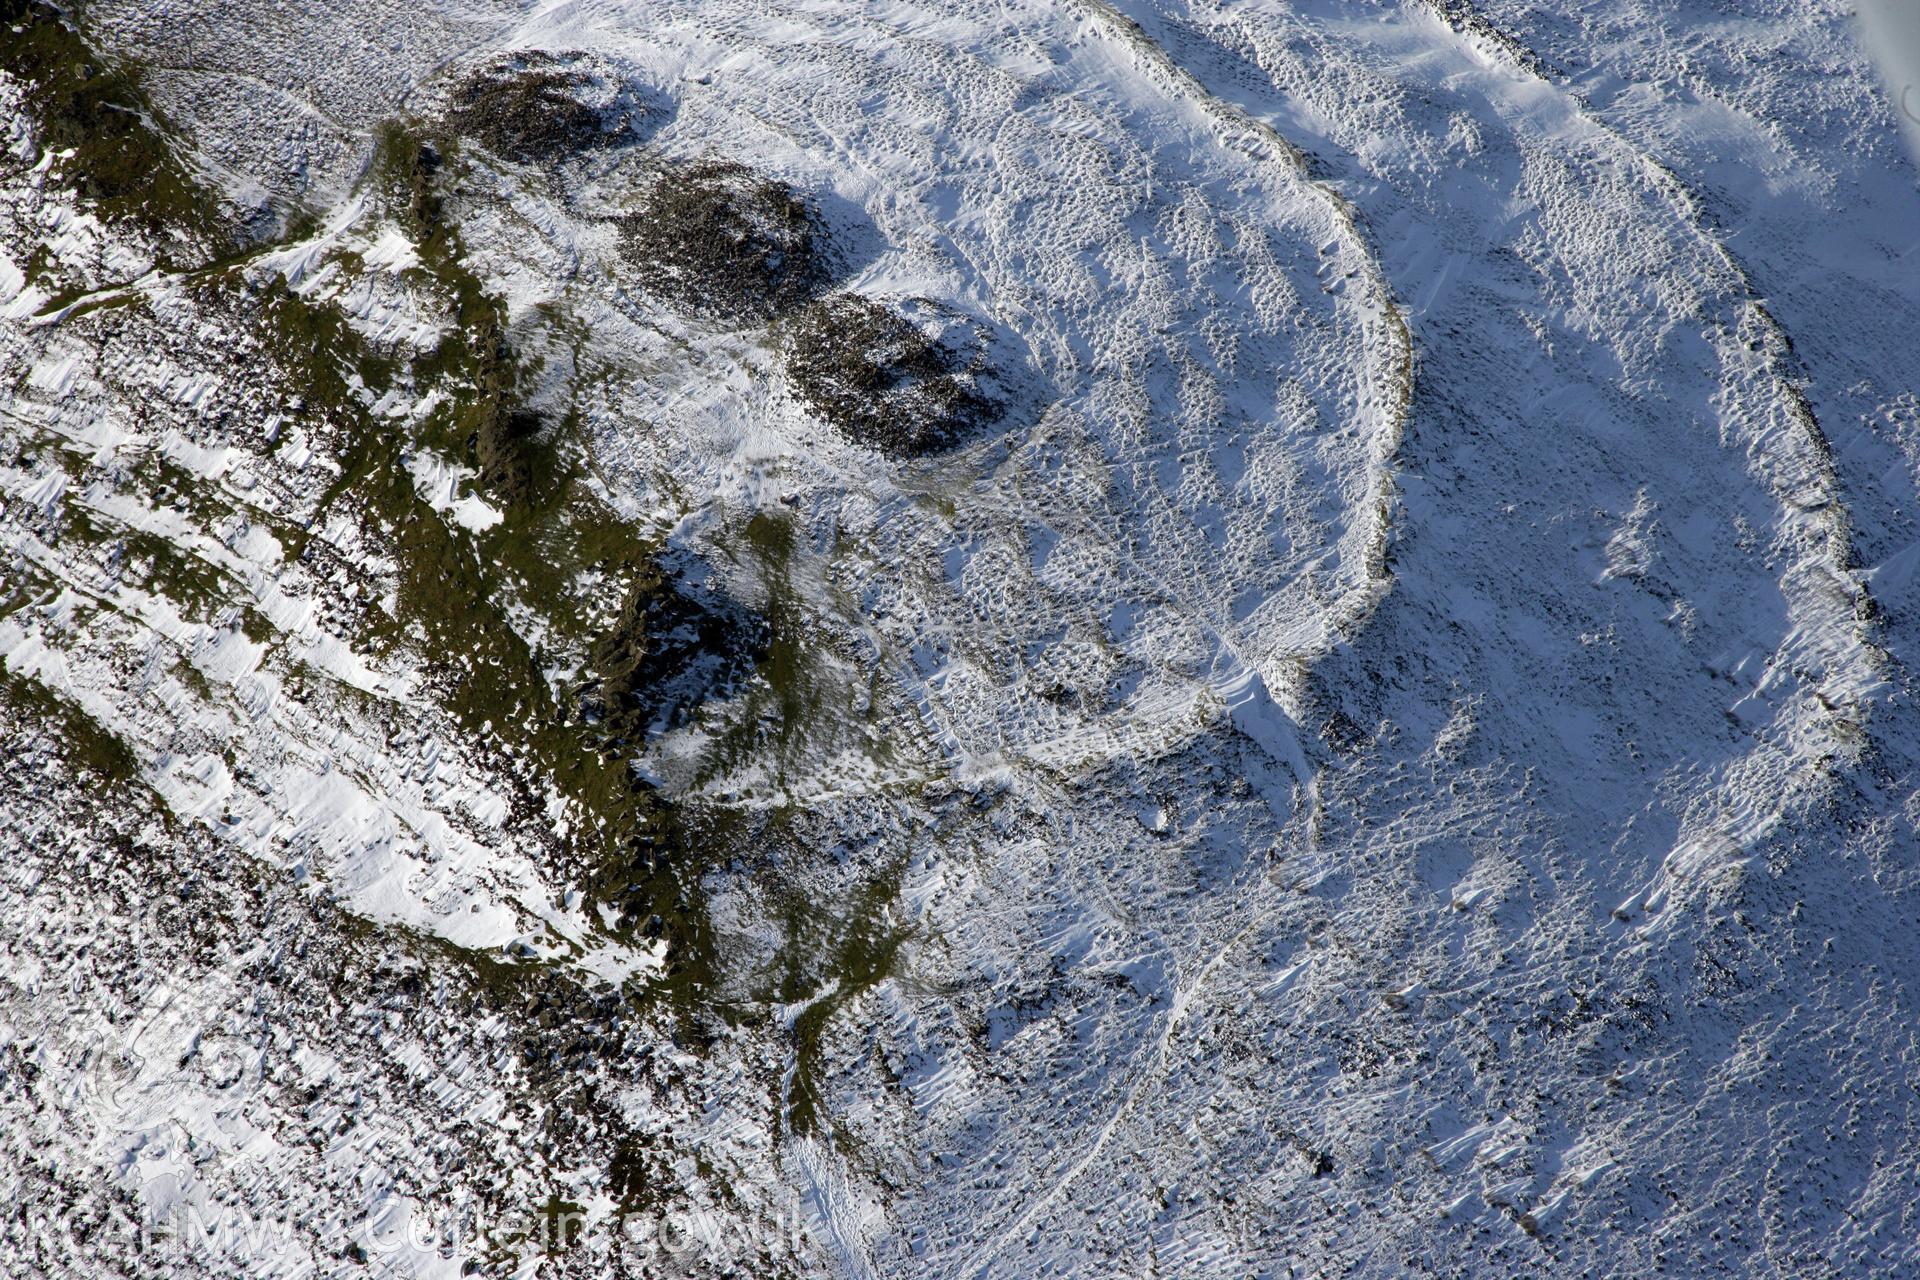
(1400, 737)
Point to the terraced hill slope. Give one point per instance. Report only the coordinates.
(968, 640)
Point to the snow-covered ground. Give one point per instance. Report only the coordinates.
(1394, 754)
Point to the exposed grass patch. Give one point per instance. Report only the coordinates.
(666, 652)
(459, 598)
(835, 957)
(89, 747)
(458, 591)
(148, 561)
(487, 421)
(96, 111)
(792, 699)
(713, 237)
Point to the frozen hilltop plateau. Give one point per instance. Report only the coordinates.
(959, 639)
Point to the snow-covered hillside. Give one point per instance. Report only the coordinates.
(1096, 638)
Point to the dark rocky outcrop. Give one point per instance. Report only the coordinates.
(885, 379)
(721, 240)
